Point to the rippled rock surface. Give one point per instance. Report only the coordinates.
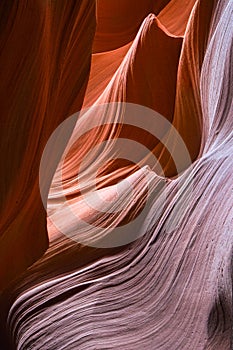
(136, 252)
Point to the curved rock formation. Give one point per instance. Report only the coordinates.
(34, 101)
(166, 283)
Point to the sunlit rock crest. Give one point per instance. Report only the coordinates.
(171, 288)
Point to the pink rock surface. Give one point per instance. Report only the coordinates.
(170, 286)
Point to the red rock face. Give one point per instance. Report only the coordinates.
(41, 46)
(137, 187)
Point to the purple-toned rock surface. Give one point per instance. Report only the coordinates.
(137, 253)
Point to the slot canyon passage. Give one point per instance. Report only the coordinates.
(116, 174)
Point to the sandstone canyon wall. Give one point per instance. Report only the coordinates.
(116, 174)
